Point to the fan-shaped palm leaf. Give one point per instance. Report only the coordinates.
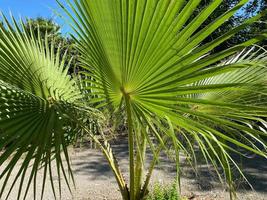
(38, 99)
(147, 57)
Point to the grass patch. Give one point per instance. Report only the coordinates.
(165, 192)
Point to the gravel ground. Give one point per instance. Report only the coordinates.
(94, 180)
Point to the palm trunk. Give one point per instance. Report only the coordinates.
(139, 169)
(131, 145)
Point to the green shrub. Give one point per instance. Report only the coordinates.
(164, 192)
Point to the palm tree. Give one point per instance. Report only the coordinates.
(143, 62)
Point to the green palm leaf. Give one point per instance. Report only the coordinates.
(148, 56)
(38, 104)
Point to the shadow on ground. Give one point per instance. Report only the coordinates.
(94, 165)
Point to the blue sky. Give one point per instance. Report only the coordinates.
(32, 9)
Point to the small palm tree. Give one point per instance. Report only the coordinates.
(145, 63)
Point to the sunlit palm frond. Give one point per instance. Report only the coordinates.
(32, 64)
(38, 105)
(149, 57)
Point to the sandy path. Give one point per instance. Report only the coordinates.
(94, 180)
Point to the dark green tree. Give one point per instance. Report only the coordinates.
(252, 8)
(44, 26)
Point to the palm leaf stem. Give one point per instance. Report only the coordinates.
(130, 143)
(112, 161)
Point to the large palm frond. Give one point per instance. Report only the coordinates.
(149, 58)
(38, 105)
